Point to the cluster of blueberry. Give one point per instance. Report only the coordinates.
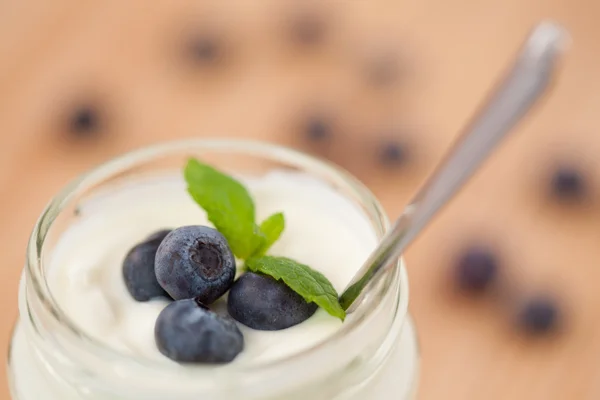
(477, 269)
(319, 130)
(477, 273)
(194, 267)
(207, 49)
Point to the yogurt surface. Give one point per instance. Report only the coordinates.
(323, 230)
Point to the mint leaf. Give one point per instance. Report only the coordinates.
(272, 227)
(228, 206)
(308, 283)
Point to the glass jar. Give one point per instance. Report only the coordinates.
(374, 355)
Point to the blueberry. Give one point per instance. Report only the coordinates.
(307, 29)
(382, 71)
(538, 316)
(261, 302)
(195, 262)
(138, 269)
(317, 128)
(568, 183)
(186, 331)
(392, 153)
(85, 120)
(205, 49)
(476, 269)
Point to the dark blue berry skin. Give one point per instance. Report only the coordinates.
(476, 270)
(85, 121)
(204, 49)
(138, 269)
(263, 303)
(195, 262)
(539, 316)
(568, 183)
(318, 129)
(392, 153)
(186, 331)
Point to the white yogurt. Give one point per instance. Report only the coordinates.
(323, 229)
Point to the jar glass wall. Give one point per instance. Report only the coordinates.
(373, 355)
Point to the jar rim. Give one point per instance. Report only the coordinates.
(34, 264)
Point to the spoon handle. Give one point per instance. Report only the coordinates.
(512, 99)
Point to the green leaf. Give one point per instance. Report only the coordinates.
(308, 283)
(228, 206)
(272, 227)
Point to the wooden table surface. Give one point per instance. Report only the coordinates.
(132, 62)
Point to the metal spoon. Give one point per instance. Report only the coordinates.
(523, 85)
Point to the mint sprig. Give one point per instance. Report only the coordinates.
(310, 284)
(230, 208)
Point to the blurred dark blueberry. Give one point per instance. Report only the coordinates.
(195, 262)
(204, 49)
(186, 331)
(568, 183)
(317, 128)
(263, 303)
(138, 269)
(392, 153)
(539, 315)
(84, 121)
(476, 269)
(307, 29)
(382, 71)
